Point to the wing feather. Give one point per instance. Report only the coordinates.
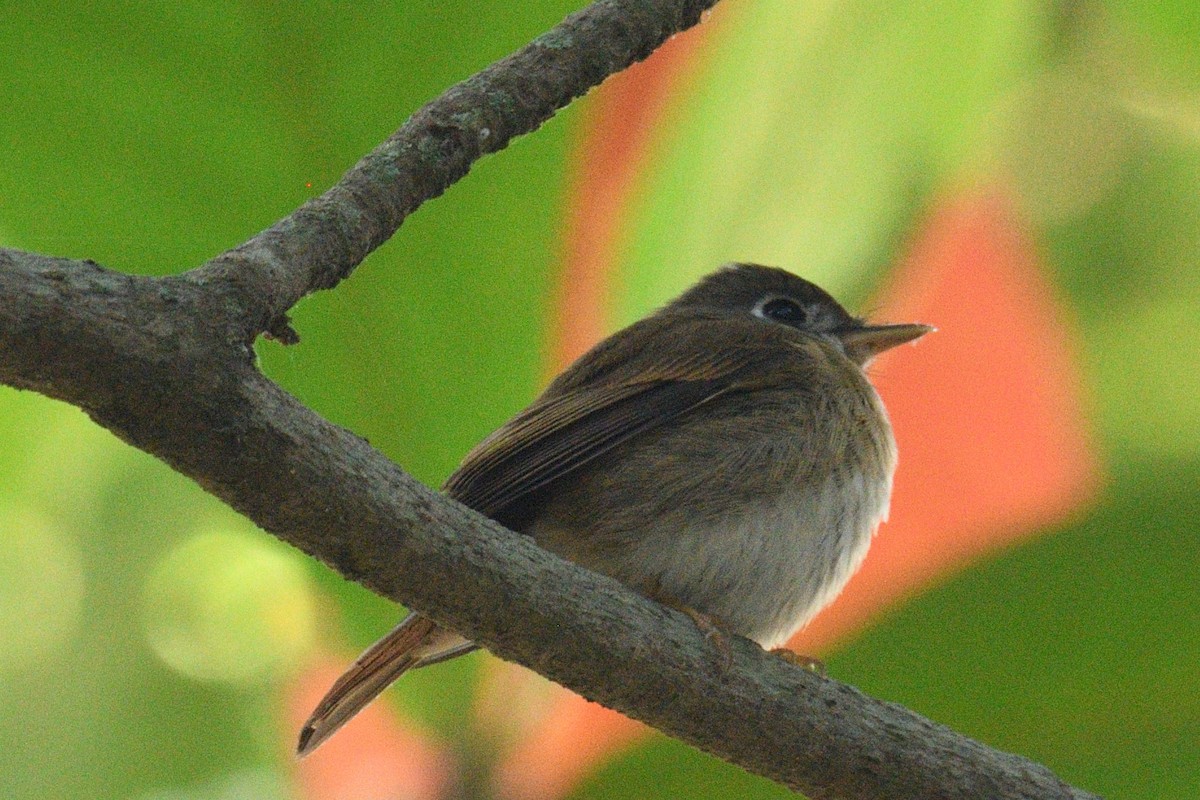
(529, 457)
(635, 381)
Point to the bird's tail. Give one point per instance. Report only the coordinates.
(415, 642)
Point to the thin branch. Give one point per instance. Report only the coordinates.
(166, 364)
(322, 242)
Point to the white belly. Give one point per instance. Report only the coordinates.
(762, 574)
(768, 572)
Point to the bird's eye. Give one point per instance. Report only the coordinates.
(783, 310)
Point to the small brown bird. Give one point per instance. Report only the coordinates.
(725, 455)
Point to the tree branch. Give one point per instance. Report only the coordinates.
(166, 364)
(322, 242)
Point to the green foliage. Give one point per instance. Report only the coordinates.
(1130, 267)
(1076, 650)
(815, 133)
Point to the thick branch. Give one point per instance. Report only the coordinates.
(320, 243)
(165, 363)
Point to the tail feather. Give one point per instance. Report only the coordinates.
(415, 640)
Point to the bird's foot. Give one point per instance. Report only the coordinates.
(709, 627)
(712, 633)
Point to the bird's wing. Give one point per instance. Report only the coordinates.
(629, 385)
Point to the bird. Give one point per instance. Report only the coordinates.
(726, 455)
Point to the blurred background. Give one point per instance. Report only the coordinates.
(1023, 174)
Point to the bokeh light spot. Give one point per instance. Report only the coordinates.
(41, 588)
(227, 605)
(1066, 145)
(249, 784)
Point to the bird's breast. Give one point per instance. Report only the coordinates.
(756, 519)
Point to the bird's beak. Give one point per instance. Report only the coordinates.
(865, 342)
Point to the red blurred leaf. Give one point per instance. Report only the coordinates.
(567, 743)
(614, 140)
(987, 411)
